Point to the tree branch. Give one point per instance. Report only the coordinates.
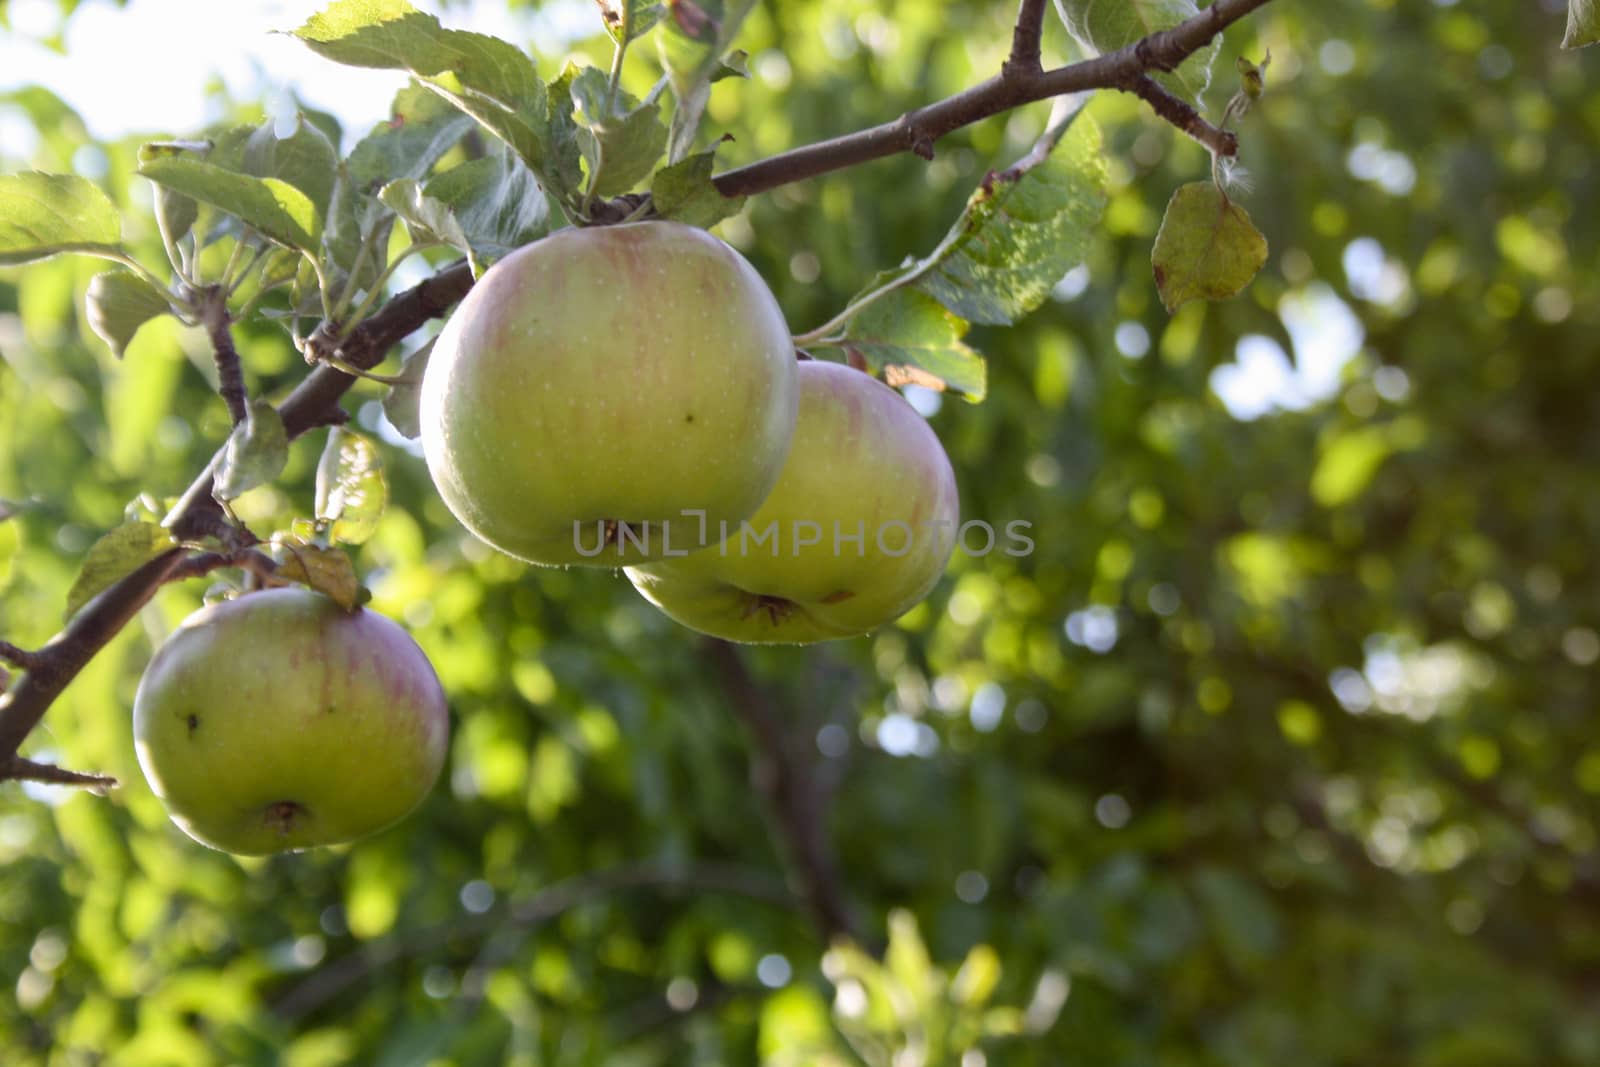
(783, 776)
(20, 658)
(1026, 41)
(315, 401)
(27, 770)
(310, 405)
(916, 131)
(1181, 114)
(65, 654)
(230, 374)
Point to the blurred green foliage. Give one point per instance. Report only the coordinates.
(1280, 747)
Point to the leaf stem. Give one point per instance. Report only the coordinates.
(616, 59)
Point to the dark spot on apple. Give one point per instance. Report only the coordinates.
(689, 417)
(838, 596)
(193, 722)
(284, 816)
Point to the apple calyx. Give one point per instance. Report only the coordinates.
(775, 608)
(285, 816)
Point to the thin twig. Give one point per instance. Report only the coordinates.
(783, 775)
(1026, 41)
(26, 770)
(1182, 114)
(916, 131)
(60, 660)
(18, 657)
(230, 374)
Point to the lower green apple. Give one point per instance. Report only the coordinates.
(856, 532)
(279, 721)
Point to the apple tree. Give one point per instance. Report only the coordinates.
(1238, 716)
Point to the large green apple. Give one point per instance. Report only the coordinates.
(280, 721)
(857, 530)
(598, 389)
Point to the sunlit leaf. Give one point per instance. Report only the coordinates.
(638, 16)
(306, 159)
(118, 303)
(1021, 231)
(421, 128)
(483, 76)
(621, 138)
(351, 489)
(327, 570)
(1207, 248)
(911, 339)
(114, 556)
(42, 215)
(255, 454)
(278, 210)
(485, 208)
(694, 36)
(684, 192)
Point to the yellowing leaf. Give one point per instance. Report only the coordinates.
(327, 570)
(351, 489)
(1207, 249)
(115, 556)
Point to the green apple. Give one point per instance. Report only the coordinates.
(599, 385)
(857, 530)
(279, 721)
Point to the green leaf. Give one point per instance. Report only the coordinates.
(641, 17)
(113, 557)
(911, 339)
(684, 192)
(483, 76)
(1583, 24)
(306, 159)
(486, 208)
(1101, 26)
(43, 215)
(351, 489)
(421, 128)
(621, 144)
(428, 219)
(278, 210)
(119, 302)
(255, 454)
(497, 200)
(179, 212)
(1207, 248)
(401, 402)
(695, 35)
(1021, 231)
(735, 64)
(327, 570)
